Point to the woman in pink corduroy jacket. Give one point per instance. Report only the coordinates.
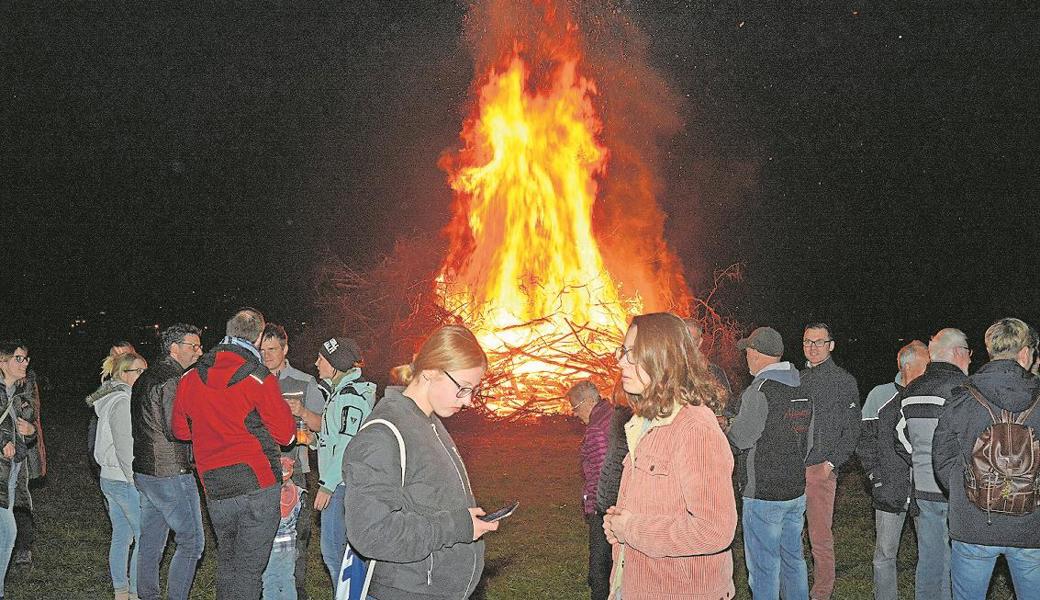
(675, 516)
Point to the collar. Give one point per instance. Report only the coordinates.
(288, 370)
(942, 365)
(637, 421)
(241, 342)
(777, 366)
(809, 365)
(344, 378)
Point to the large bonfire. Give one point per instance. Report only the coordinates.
(524, 268)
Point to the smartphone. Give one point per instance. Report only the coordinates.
(501, 513)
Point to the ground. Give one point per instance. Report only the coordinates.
(539, 552)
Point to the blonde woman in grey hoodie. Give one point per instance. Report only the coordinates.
(114, 452)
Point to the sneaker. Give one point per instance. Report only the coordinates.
(22, 557)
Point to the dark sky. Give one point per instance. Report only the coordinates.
(873, 167)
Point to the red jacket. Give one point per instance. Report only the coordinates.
(231, 409)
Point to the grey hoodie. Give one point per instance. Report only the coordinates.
(114, 443)
(422, 533)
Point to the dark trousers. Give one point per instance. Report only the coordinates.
(303, 536)
(600, 561)
(23, 517)
(245, 526)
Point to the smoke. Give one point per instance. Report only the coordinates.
(637, 109)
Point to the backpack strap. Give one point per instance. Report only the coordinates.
(975, 393)
(1022, 416)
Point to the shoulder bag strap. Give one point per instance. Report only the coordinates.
(404, 462)
(400, 441)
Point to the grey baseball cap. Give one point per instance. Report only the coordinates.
(764, 339)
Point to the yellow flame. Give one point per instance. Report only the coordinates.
(527, 267)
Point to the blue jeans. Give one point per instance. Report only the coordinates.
(8, 527)
(124, 510)
(279, 576)
(773, 548)
(168, 503)
(334, 534)
(933, 551)
(888, 528)
(972, 566)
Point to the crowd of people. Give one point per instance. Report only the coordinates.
(239, 422)
(958, 453)
(243, 420)
(665, 460)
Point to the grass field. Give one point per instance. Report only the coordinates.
(540, 552)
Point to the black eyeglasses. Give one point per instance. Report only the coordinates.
(133, 370)
(193, 347)
(472, 392)
(815, 343)
(624, 353)
(966, 348)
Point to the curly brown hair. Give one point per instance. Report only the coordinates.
(677, 370)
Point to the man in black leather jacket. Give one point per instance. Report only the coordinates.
(162, 470)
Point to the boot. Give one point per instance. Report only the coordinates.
(122, 594)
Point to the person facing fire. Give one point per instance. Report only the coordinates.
(675, 516)
(772, 427)
(887, 471)
(419, 519)
(728, 403)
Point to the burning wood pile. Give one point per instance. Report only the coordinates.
(524, 268)
(555, 239)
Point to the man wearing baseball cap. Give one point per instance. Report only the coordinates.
(349, 402)
(772, 429)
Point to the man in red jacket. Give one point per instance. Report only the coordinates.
(230, 407)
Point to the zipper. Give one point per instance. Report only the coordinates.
(472, 573)
(465, 487)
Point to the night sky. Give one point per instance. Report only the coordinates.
(872, 167)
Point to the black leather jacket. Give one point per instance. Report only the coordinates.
(156, 451)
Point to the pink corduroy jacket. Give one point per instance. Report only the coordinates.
(677, 483)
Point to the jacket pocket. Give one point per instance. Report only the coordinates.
(654, 466)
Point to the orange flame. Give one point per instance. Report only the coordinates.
(524, 268)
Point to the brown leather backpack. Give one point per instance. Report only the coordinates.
(1002, 476)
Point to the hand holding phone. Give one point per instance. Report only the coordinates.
(501, 513)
